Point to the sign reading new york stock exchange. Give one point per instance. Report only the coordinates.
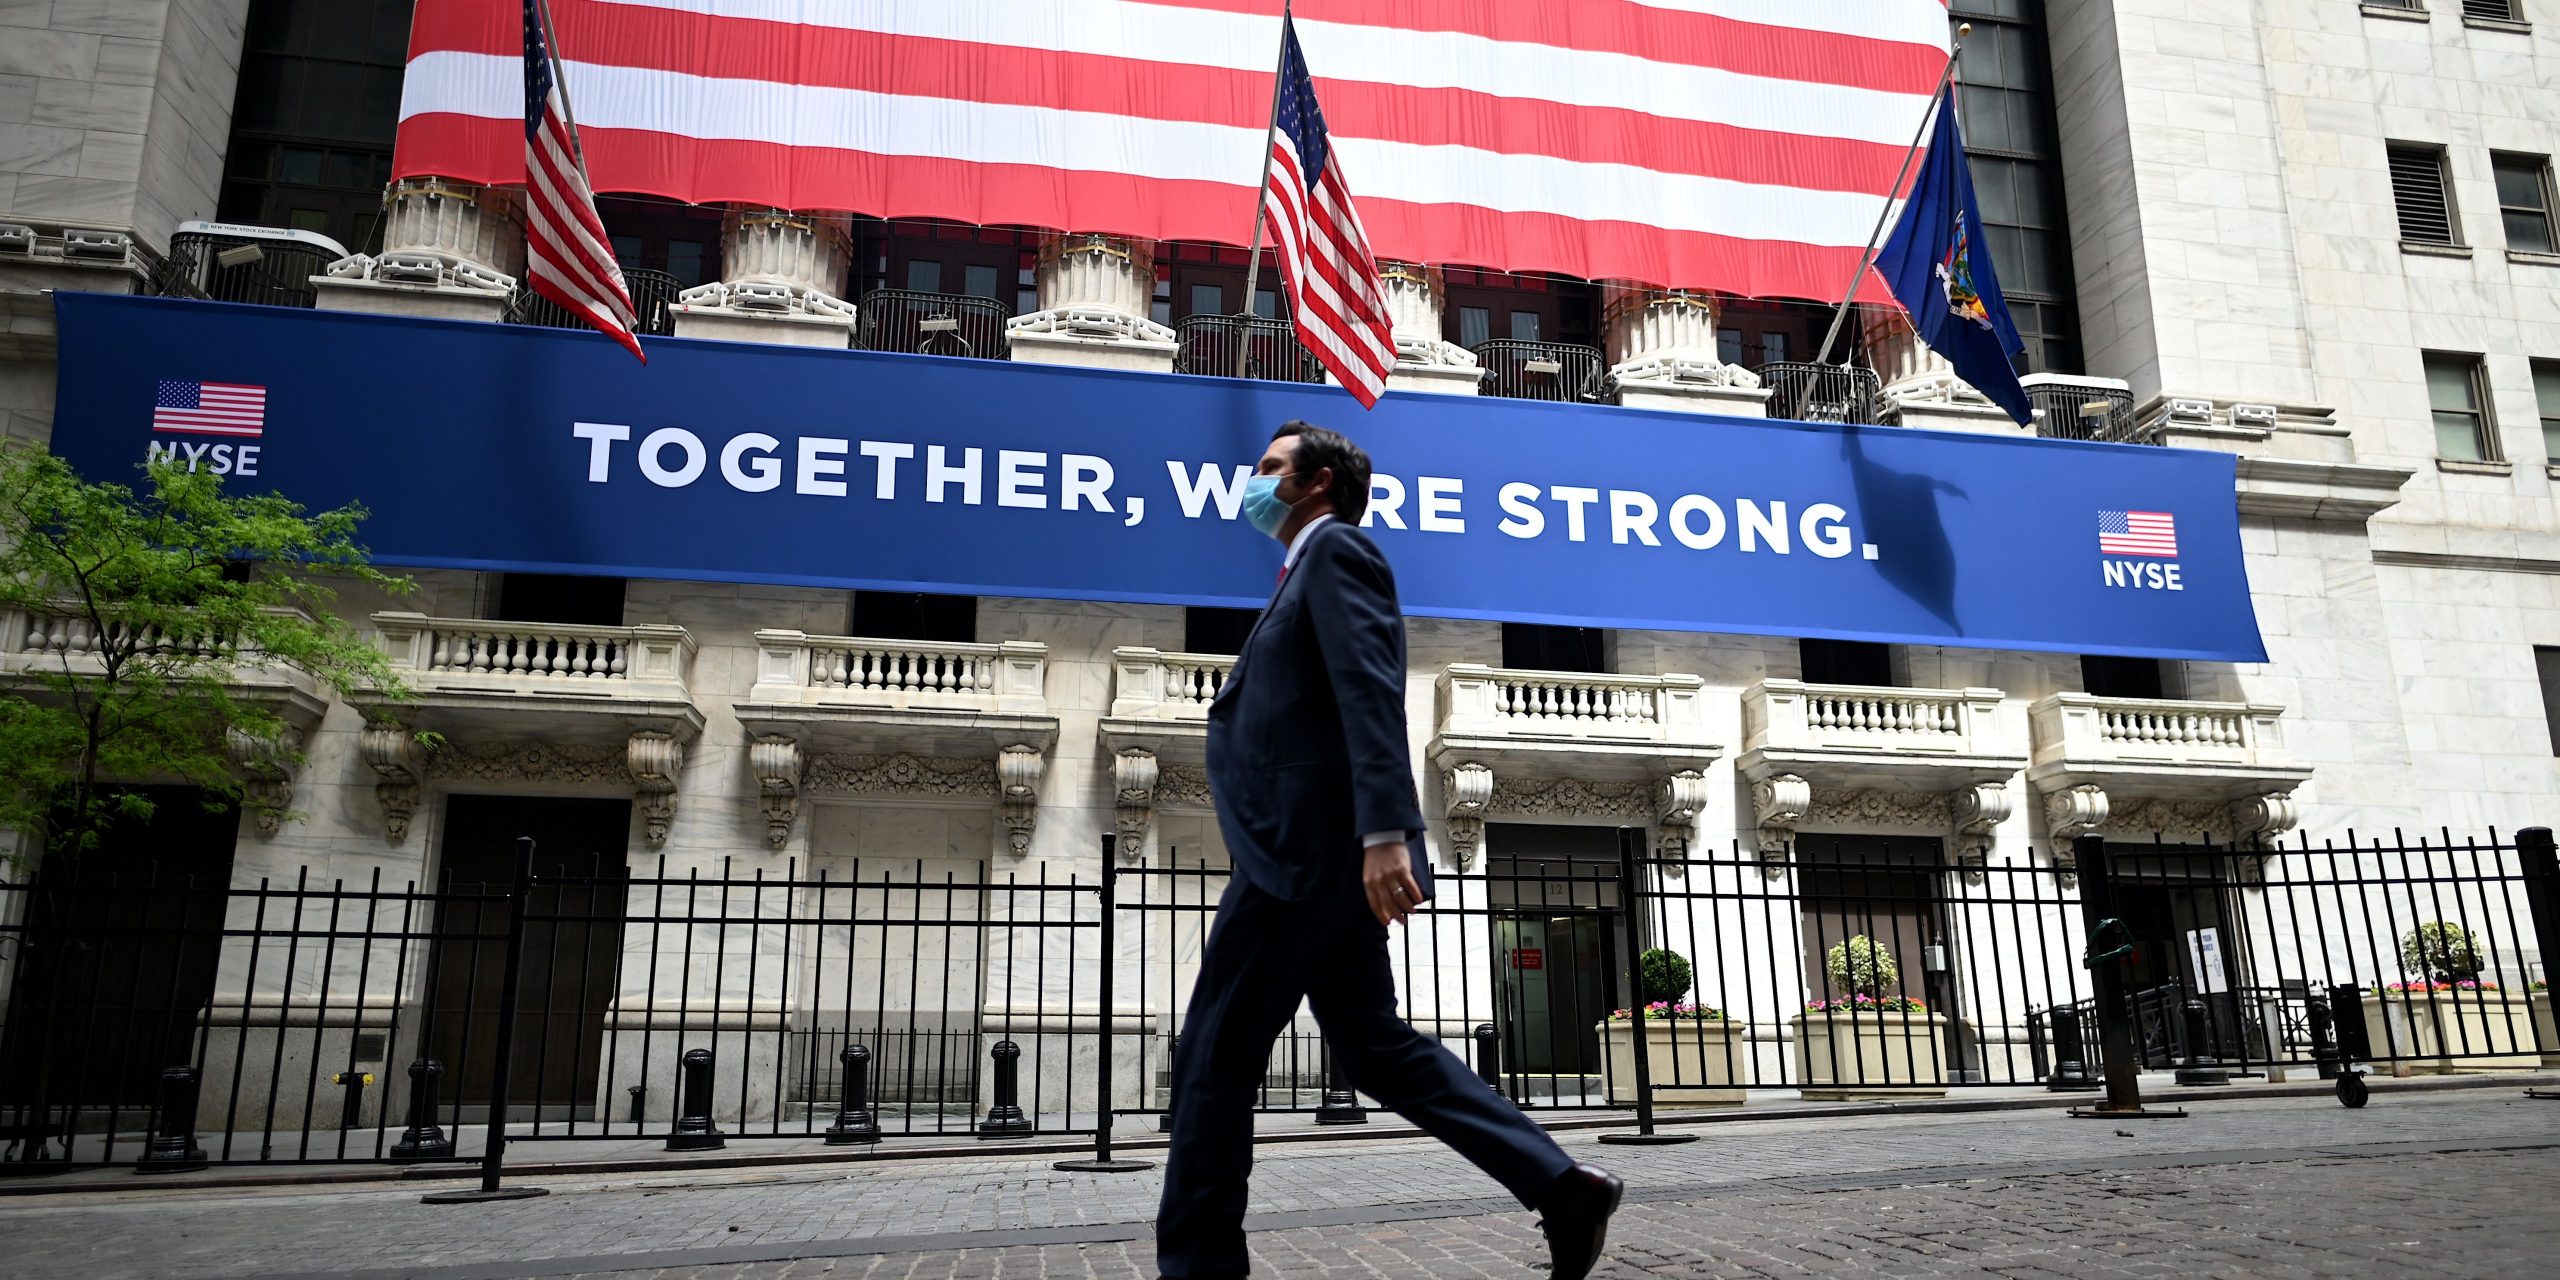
(483, 446)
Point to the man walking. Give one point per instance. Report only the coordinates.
(1313, 780)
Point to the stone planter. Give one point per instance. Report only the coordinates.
(1858, 1056)
(2543, 1027)
(2433, 1034)
(1703, 1057)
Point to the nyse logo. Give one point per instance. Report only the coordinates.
(2138, 550)
(233, 414)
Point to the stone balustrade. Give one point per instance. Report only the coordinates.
(796, 667)
(478, 655)
(2085, 728)
(1792, 715)
(1479, 700)
(1150, 684)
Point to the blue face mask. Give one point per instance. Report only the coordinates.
(1263, 508)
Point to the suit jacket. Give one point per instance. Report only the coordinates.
(1307, 748)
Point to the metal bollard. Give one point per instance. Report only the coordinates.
(1004, 1115)
(639, 1105)
(853, 1105)
(173, 1148)
(2200, 1067)
(423, 1139)
(2324, 1037)
(351, 1112)
(1340, 1105)
(1486, 1066)
(2070, 1054)
(694, 1130)
(1172, 1057)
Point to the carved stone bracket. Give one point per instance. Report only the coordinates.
(1018, 770)
(777, 765)
(266, 773)
(2068, 815)
(1977, 810)
(1778, 804)
(1683, 802)
(1469, 789)
(2262, 821)
(1134, 775)
(656, 761)
(392, 752)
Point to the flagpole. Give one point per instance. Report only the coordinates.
(1262, 198)
(560, 81)
(1866, 260)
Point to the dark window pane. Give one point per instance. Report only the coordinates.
(1266, 304)
(1208, 300)
(2528, 232)
(981, 281)
(1846, 662)
(1534, 647)
(1524, 326)
(2113, 677)
(2519, 182)
(924, 276)
(1217, 630)
(302, 166)
(2546, 664)
(914, 615)
(1475, 326)
(562, 598)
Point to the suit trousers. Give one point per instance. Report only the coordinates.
(1264, 955)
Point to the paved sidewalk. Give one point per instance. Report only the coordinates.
(2452, 1183)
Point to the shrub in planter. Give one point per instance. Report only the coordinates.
(1861, 966)
(1665, 974)
(2442, 950)
(1666, 1011)
(1695, 1054)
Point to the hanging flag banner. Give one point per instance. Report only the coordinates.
(483, 446)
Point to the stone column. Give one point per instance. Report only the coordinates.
(1096, 296)
(1416, 298)
(451, 251)
(781, 273)
(1662, 354)
(1920, 388)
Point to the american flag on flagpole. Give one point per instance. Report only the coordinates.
(1335, 297)
(568, 257)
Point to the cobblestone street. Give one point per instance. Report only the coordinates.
(2456, 1183)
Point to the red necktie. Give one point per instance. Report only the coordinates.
(1283, 579)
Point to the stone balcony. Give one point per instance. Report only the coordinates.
(2180, 770)
(922, 718)
(1630, 749)
(34, 644)
(1940, 758)
(1157, 733)
(538, 703)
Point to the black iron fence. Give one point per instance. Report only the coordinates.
(653, 305)
(270, 270)
(1271, 349)
(2074, 412)
(1562, 371)
(935, 324)
(1809, 392)
(169, 1022)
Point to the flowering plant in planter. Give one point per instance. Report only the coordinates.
(2427, 988)
(1661, 1010)
(2539, 984)
(2443, 950)
(1867, 1004)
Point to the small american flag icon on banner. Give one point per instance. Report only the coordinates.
(210, 409)
(2138, 533)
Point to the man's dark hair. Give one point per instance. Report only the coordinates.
(1318, 449)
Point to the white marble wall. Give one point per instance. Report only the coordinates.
(116, 113)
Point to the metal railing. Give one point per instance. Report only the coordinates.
(653, 305)
(1272, 350)
(171, 1022)
(222, 267)
(2069, 411)
(1806, 392)
(1562, 371)
(935, 324)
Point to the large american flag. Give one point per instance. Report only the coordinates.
(568, 257)
(1738, 145)
(2138, 533)
(1335, 296)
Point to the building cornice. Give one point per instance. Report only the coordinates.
(2300, 489)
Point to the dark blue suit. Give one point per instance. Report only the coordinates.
(1307, 752)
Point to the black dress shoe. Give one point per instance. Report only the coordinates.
(1575, 1217)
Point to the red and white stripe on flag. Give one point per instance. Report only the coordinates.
(568, 257)
(1738, 145)
(1336, 299)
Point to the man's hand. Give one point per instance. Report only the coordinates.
(1387, 875)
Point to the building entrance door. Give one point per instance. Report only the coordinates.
(121, 946)
(572, 948)
(1557, 949)
(2188, 949)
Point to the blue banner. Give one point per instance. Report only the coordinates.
(481, 446)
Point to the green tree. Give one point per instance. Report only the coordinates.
(138, 607)
(1665, 974)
